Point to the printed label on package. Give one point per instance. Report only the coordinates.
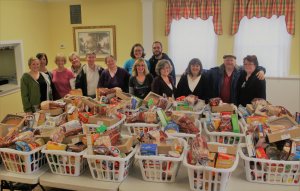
(222, 150)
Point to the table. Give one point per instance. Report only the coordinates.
(238, 182)
(83, 182)
(7, 177)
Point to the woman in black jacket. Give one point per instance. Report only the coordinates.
(193, 81)
(163, 83)
(248, 85)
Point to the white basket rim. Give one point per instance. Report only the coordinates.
(225, 133)
(163, 158)
(8, 150)
(104, 157)
(179, 134)
(244, 157)
(200, 167)
(141, 124)
(60, 152)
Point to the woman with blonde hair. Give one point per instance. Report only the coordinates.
(62, 76)
(141, 80)
(35, 87)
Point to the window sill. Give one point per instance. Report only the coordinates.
(7, 89)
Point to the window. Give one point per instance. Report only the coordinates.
(269, 40)
(11, 61)
(192, 38)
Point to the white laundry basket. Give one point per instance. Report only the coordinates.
(22, 162)
(66, 163)
(160, 168)
(108, 168)
(270, 171)
(206, 178)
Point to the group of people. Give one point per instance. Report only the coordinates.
(232, 83)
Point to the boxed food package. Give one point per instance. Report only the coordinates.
(284, 134)
(227, 149)
(151, 95)
(223, 107)
(11, 121)
(108, 121)
(224, 160)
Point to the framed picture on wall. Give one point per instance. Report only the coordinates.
(98, 39)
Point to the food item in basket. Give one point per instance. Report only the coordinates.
(22, 146)
(46, 105)
(225, 125)
(71, 128)
(106, 92)
(114, 135)
(260, 153)
(150, 117)
(212, 159)
(273, 153)
(286, 150)
(103, 140)
(199, 149)
(101, 150)
(191, 100)
(78, 147)
(163, 103)
(187, 125)
(55, 146)
(40, 141)
(172, 127)
(224, 160)
(215, 101)
(174, 154)
(259, 101)
(125, 145)
(137, 117)
(58, 135)
(148, 149)
(26, 136)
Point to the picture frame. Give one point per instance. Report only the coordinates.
(98, 39)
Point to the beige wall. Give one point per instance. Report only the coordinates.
(45, 25)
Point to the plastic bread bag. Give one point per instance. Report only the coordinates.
(200, 150)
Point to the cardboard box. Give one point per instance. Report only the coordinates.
(164, 148)
(284, 134)
(126, 145)
(212, 159)
(152, 95)
(106, 120)
(122, 95)
(222, 108)
(11, 121)
(286, 121)
(227, 149)
(73, 139)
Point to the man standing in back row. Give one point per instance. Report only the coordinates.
(222, 80)
(157, 56)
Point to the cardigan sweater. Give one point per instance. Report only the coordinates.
(160, 87)
(250, 89)
(30, 91)
(121, 79)
(200, 89)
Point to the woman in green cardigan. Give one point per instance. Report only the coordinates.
(35, 87)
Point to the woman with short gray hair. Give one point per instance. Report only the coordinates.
(163, 83)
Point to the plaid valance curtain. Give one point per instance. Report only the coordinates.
(177, 9)
(264, 8)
